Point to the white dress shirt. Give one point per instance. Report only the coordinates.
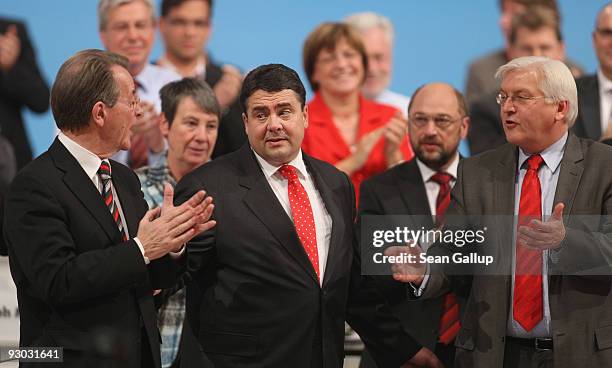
(605, 99)
(322, 219)
(90, 163)
(548, 176)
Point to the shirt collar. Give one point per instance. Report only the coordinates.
(427, 172)
(142, 79)
(200, 69)
(552, 155)
(605, 85)
(270, 170)
(88, 160)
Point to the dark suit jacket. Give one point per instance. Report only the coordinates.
(588, 122)
(231, 128)
(580, 285)
(260, 303)
(78, 285)
(400, 191)
(23, 86)
(486, 131)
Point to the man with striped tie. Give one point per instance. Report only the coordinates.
(548, 301)
(437, 121)
(84, 251)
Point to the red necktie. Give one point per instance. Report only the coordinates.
(303, 218)
(107, 194)
(527, 303)
(449, 322)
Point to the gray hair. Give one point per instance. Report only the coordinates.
(105, 7)
(368, 20)
(173, 93)
(555, 80)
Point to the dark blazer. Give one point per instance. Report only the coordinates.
(486, 130)
(23, 86)
(588, 122)
(79, 285)
(400, 191)
(255, 300)
(231, 128)
(580, 285)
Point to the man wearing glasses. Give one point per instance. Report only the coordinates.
(437, 122)
(127, 27)
(85, 253)
(549, 301)
(595, 91)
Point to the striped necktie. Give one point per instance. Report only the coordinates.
(107, 194)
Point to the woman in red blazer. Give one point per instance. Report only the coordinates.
(359, 136)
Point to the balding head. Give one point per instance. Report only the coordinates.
(437, 117)
(602, 39)
(443, 88)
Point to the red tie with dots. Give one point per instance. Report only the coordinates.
(303, 218)
(449, 322)
(528, 309)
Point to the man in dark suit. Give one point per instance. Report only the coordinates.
(549, 301)
(437, 121)
(84, 252)
(595, 91)
(21, 84)
(274, 283)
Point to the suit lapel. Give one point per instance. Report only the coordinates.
(590, 110)
(504, 178)
(129, 204)
(338, 223)
(570, 174)
(82, 188)
(409, 183)
(262, 201)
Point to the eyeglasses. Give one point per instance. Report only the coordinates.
(440, 121)
(132, 104)
(604, 32)
(521, 100)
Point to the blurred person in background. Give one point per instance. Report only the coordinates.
(595, 90)
(21, 85)
(190, 122)
(359, 136)
(185, 27)
(127, 27)
(535, 32)
(481, 72)
(377, 36)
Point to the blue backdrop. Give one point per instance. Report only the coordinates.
(435, 40)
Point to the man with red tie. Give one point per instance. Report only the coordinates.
(437, 121)
(549, 301)
(274, 283)
(85, 254)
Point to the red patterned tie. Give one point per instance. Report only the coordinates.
(303, 218)
(527, 303)
(107, 194)
(449, 322)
